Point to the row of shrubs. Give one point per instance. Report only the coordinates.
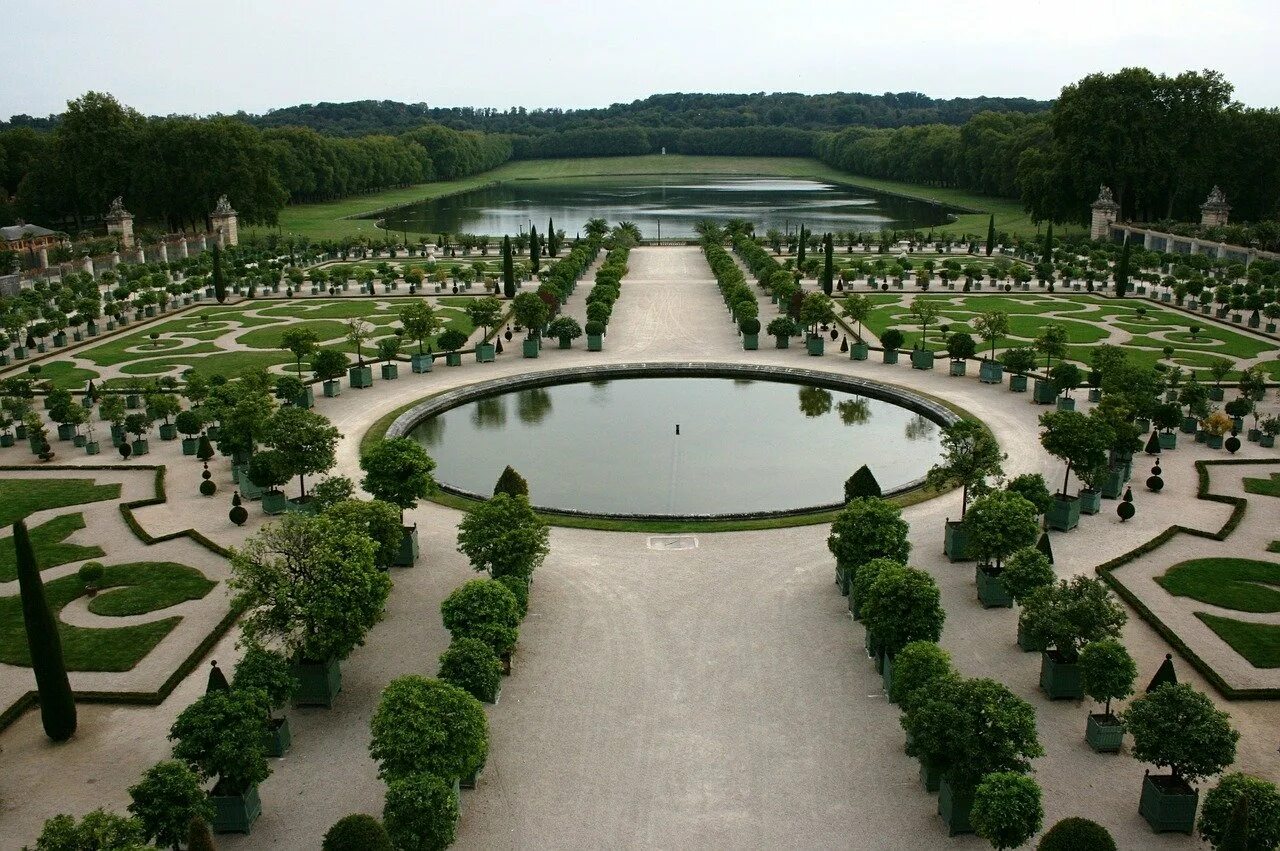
(737, 296)
(607, 289)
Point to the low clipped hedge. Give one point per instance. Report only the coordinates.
(470, 664)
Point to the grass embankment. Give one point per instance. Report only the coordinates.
(330, 220)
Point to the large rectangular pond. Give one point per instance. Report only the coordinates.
(672, 203)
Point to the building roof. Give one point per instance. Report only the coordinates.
(14, 233)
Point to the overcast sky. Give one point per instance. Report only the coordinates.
(222, 56)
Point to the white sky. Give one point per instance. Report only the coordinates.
(178, 56)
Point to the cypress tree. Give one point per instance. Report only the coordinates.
(828, 271)
(1048, 245)
(991, 234)
(800, 249)
(219, 281)
(1122, 271)
(533, 249)
(508, 270)
(57, 704)
(553, 243)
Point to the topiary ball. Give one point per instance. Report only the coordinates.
(421, 811)
(1077, 834)
(472, 666)
(125, 449)
(356, 832)
(208, 488)
(1232, 443)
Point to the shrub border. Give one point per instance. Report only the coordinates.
(193, 659)
(1107, 569)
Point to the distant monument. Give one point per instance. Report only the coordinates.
(1215, 209)
(120, 223)
(225, 223)
(1105, 212)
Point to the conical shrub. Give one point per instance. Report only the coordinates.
(57, 704)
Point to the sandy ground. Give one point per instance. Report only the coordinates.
(715, 696)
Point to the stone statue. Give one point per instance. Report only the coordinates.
(117, 209)
(1104, 195)
(223, 206)
(1217, 198)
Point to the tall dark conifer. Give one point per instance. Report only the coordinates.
(57, 704)
(800, 249)
(533, 249)
(1122, 271)
(828, 267)
(219, 279)
(508, 270)
(553, 243)
(991, 234)
(1047, 258)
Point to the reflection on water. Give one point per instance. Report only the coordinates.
(673, 202)
(612, 446)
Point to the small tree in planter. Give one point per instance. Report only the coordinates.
(487, 610)
(891, 341)
(452, 340)
(856, 308)
(595, 333)
(566, 329)
(866, 529)
(750, 328)
(902, 605)
(999, 524)
(504, 536)
(924, 312)
(471, 665)
(165, 801)
(1019, 361)
(222, 735)
(531, 312)
(1007, 809)
(1032, 488)
(1027, 571)
(269, 672)
(306, 442)
(358, 331)
(191, 425)
(311, 586)
(991, 327)
(860, 580)
(960, 347)
(782, 329)
(421, 810)
(398, 471)
(428, 726)
(970, 455)
(1178, 728)
(1260, 800)
(1065, 377)
(1081, 443)
(1107, 673)
(388, 349)
(138, 425)
(916, 669)
(301, 342)
(1064, 618)
(328, 366)
(420, 323)
(816, 310)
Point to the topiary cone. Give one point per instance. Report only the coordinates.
(57, 704)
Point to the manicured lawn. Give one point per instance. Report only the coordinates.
(143, 587)
(228, 364)
(1259, 643)
(66, 375)
(1231, 583)
(1265, 487)
(326, 220)
(47, 539)
(328, 330)
(21, 497)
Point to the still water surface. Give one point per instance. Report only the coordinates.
(611, 446)
(673, 202)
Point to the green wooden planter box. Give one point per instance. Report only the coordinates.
(91, 448)
(168, 431)
(1216, 393)
(453, 359)
(930, 776)
(390, 372)
(781, 342)
(7, 440)
(1018, 383)
(302, 506)
(595, 342)
(279, 737)
(1267, 441)
(487, 352)
(79, 441)
(991, 591)
(1059, 679)
(1113, 484)
(922, 359)
(306, 399)
(1095, 394)
(890, 356)
(530, 347)
(274, 502)
(955, 542)
(750, 342)
(886, 673)
(1064, 513)
(1168, 439)
(1044, 393)
(1168, 805)
(235, 813)
(858, 351)
(955, 805)
(408, 554)
(1213, 441)
(141, 447)
(331, 388)
(66, 431)
(318, 682)
(190, 445)
(1104, 733)
(360, 377)
(420, 362)
(1090, 501)
(844, 577)
(248, 489)
(1143, 425)
(469, 782)
(1066, 403)
(815, 345)
(991, 372)
(958, 367)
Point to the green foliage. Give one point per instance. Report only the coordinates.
(166, 799)
(1177, 727)
(57, 704)
(1107, 671)
(866, 529)
(903, 605)
(916, 669)
(970, 455)
(99, 830)
(22, 497)
(311, 584)
(471, 665)
(1019, 359)
(861, 484)
(503, 535)
(484, 609)
(1074, 438)
(268, 671)
(1032, 487)
(1006, 809)
(356, 832)
(1076, 834)
(863, 576)
(305, 440)
(892, 339)
(328, 364)
(270, 469)
(530, 311)
(379, 521)
(451, 340)
(1071, 614)
(1027, 570)
(999, 524)
(511, 483)
(48, 541)
(199, 837)
(398, 471)
(1260, 801)
(960, 346)
(421, 813)
(222, 734)
(425, 725)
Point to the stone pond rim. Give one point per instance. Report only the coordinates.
(439, 403)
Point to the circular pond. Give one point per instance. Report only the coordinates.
(679, 446)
